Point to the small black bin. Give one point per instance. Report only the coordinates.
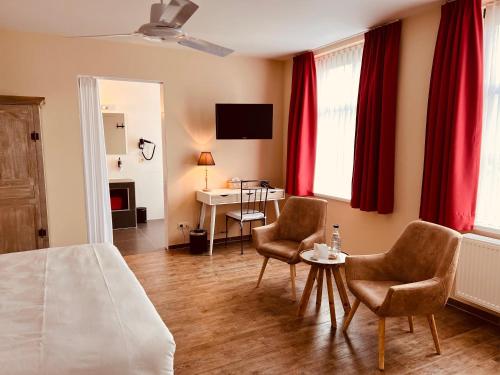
(198, 241)
(142, 215)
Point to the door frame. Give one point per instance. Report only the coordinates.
(164, 142)
(36, 103)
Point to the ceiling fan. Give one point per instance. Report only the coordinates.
(165, 25)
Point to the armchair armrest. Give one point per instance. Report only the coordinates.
(264, 234)
(418, 298)
(308, 242)
(365, 267)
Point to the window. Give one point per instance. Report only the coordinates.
(488, 200)
(338, 80)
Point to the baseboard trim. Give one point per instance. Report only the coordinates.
(490, 317)
(217, 241)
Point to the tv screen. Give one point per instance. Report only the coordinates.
(244, 121)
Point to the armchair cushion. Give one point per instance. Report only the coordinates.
(284, 250)
(372, 293)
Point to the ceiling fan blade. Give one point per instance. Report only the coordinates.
(100, 35)
(204, 46)
(175, 14)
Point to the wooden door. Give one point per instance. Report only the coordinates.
(23, 216)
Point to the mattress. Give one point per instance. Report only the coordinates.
(78, 310)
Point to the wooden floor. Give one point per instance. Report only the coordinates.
(223, 325)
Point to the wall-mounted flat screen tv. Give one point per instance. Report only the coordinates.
(244, 121)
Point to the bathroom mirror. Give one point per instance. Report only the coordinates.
(115, 133)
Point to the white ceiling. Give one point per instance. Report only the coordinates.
(264, 28)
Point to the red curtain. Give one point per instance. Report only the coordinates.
(374, 148)
(454, 118)
(302, 127)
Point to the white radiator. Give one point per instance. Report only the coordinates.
(478, 274)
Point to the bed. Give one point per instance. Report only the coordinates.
(78, 310)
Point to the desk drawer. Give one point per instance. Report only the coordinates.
(224, 199)
(275, 194)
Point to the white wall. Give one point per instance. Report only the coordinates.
(141, 104)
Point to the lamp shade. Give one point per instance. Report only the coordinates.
(206, 158)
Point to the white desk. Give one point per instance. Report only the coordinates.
(216, 197)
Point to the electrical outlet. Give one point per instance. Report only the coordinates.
(183, 226)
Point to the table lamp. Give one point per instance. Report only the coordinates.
(206, 159)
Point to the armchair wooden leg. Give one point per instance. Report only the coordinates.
(381, 343)
(432, 325)
(292, 276)
(264, 264)
(347, 321)
(410, 322)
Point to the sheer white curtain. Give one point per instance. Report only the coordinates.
(100, 227)
(488, 202)
(338, 80)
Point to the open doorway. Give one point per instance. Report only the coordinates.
(132, 121)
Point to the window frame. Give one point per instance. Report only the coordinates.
(334, 198)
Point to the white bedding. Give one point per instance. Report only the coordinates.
(78, 310)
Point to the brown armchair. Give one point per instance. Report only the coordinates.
(301, 224)
(413, 278)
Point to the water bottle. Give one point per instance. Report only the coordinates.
(336, 243)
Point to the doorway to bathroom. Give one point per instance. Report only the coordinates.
(132, 118)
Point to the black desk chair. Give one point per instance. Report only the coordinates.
(253, 201)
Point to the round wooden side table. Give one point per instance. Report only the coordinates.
(320, 267)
